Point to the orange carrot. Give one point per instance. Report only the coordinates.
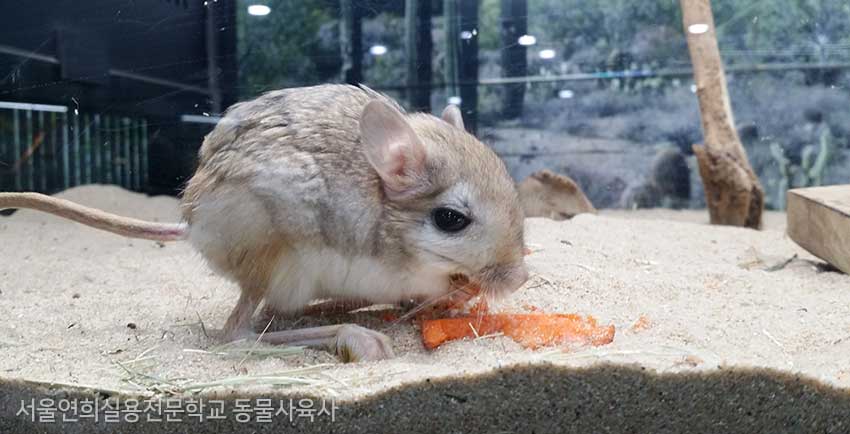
(530, 330)
(464, 292)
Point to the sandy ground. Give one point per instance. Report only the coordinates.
(729, 342)
(771, 220)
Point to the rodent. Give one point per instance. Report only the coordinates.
(333, 191)
(669, 183)
(557, 197)
(672, 176)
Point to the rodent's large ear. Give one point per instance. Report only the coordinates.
(393, 149)
(452, 115)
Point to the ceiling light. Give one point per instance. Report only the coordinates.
(378, 50)
(259, 10)
(527, 40)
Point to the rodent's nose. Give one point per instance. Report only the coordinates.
(503, 279)
(515, 278)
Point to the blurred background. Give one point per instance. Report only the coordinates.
(123, 91)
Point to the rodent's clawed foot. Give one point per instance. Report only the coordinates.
(350, 342)
(358, 344)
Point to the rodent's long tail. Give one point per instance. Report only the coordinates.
(95, 218)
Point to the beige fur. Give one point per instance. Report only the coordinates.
(328, 192)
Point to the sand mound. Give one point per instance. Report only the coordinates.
(731, 345)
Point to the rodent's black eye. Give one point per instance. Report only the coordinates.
(450, 220)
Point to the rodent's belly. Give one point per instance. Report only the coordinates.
(316, 273)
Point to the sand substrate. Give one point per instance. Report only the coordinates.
(736, 342)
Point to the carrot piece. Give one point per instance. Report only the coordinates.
(529, 330)
(457, 301)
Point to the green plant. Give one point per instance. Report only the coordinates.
(811, 170)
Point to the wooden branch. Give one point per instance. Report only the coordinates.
(732, 190)
(419, 48)
(468, 62)
(351, 41)
(514, 23)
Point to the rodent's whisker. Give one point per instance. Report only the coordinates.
(420, 307)
(467, 289)
(443, 257)
(435, 300)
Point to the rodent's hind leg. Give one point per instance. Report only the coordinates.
(352, 343)
(323, 308)
(412, 303)
(238, 324)
(335, 307)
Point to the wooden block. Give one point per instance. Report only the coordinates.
(819, 221)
